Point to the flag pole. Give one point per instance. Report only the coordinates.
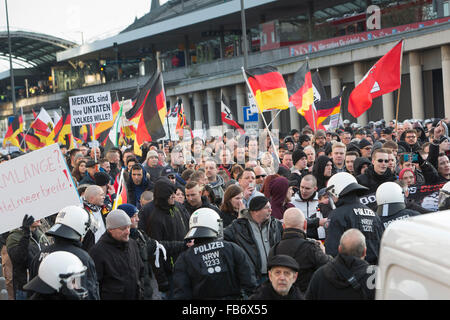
(119, 190)
(262, 116)
(398, 94)
(275, 117)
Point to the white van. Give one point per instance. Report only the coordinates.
(414, 259)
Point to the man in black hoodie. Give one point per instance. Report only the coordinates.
(346, 277)
(168, 220)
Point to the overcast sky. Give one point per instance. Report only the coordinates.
(72, 20)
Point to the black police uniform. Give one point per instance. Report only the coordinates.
(351, 213)
(395, 211)
(213, 269)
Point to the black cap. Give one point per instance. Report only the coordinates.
(297, 155)
(282, 260)
(257, 203)
(90, 164)
(102, 178)
(364, 143)
(387, 130)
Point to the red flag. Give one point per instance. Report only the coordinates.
(382, 78)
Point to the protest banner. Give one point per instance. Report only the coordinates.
(38, 183)
(424, 195)
(90, 108)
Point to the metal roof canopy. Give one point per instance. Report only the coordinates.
(36, 49)
(162, 35)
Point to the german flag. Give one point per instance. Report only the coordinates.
(326, 108)
(102, 129)
(268, 88)
(150, 111)
(181, 121)
(301, 94)
(121, 193)
(62, 132)
(33, 142)
(14, 129)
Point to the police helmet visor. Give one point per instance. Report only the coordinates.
(201, 232)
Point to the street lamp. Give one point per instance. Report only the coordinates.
(244, 35)
(11, 71)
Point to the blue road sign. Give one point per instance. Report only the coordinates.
(248, 116)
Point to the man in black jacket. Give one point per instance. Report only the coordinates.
(283, 271)
(377, 173)
(166, 220)
(119, 267)
(346, 277)
(71, 225)
(22, 245)
(256, 231)
(351, 213)
(309, 253)
(212, 268)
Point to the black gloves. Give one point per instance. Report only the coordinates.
(27, 222)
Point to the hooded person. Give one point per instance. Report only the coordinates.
(358, 165)
(280, 196)
(168, 221)
(320, 170)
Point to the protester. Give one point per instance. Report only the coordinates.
(256, 231)
(283, 272)
(23, 245)
(120, 270)
(346, 277)
(309, 254)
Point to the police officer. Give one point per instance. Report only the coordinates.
(59, 278)
(344, 191)
(212, 268)
(444, 197)
(391, 204)
(71, 225)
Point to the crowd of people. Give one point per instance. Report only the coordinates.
(231, 217)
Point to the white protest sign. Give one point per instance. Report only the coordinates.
(38, 184)
(90, 108)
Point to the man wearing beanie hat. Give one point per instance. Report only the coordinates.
(151, 165)
(256, 231)
(365, 148)
(117, 260)
(283, 272)
(300, 168)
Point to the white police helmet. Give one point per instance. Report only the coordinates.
(58, 269)
(204, 223)
(390, 199)
(72, 222)
(343, 183)
(444, 197)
